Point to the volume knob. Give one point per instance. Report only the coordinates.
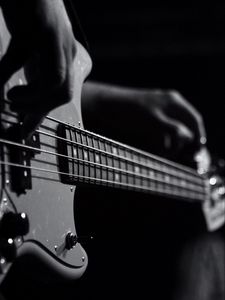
(71, 240)
(14, 224)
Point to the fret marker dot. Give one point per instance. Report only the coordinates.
(137, 170)
(117, 177)
(96, 158)
(212, 181)
(74, 152)
(114, 150)
(151, 173)
(167, 178)
(85, 155)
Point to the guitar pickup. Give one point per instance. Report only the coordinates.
(64, 166)
(20, 176)
(20, 158)
(34, 142)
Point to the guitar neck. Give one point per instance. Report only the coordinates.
(93, 159)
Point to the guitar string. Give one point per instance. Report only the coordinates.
(187, 188)
(133, 149)
(176, 174)
(168, 192)
(169, 171)
(83, 161)
(187, 177)
(157, 159)
(197, 179)
(180, 185)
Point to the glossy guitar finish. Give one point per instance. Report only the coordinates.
(47, 200)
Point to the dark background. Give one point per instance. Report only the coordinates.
(158, 45)
(163, 45)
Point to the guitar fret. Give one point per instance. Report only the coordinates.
(109, 162)
(173, 172)
(130, 176)
(155, 165)
(70, 153)
(137, 171)
(146, 182)
(85, 156)
(100, 161)
(113, 151)
(137, 176)
(128, 155)
(103, 160)
(116, 163)
(80, 154)
(96, 158)
(123, 166)
(91, 157)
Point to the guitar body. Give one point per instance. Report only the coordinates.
(47, 202)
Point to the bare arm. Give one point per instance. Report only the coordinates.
(41, 32)
(134, 110)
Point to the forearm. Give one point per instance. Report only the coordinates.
(96, 94)
(136, 115)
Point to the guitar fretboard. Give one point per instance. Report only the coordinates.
(93, 159)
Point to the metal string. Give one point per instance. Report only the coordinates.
(165, 191)
(197, 180)
(133, 149)
(78, 160)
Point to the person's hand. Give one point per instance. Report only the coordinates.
(181, 123)
(41, 36)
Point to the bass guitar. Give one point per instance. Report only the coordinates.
(38, 178)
